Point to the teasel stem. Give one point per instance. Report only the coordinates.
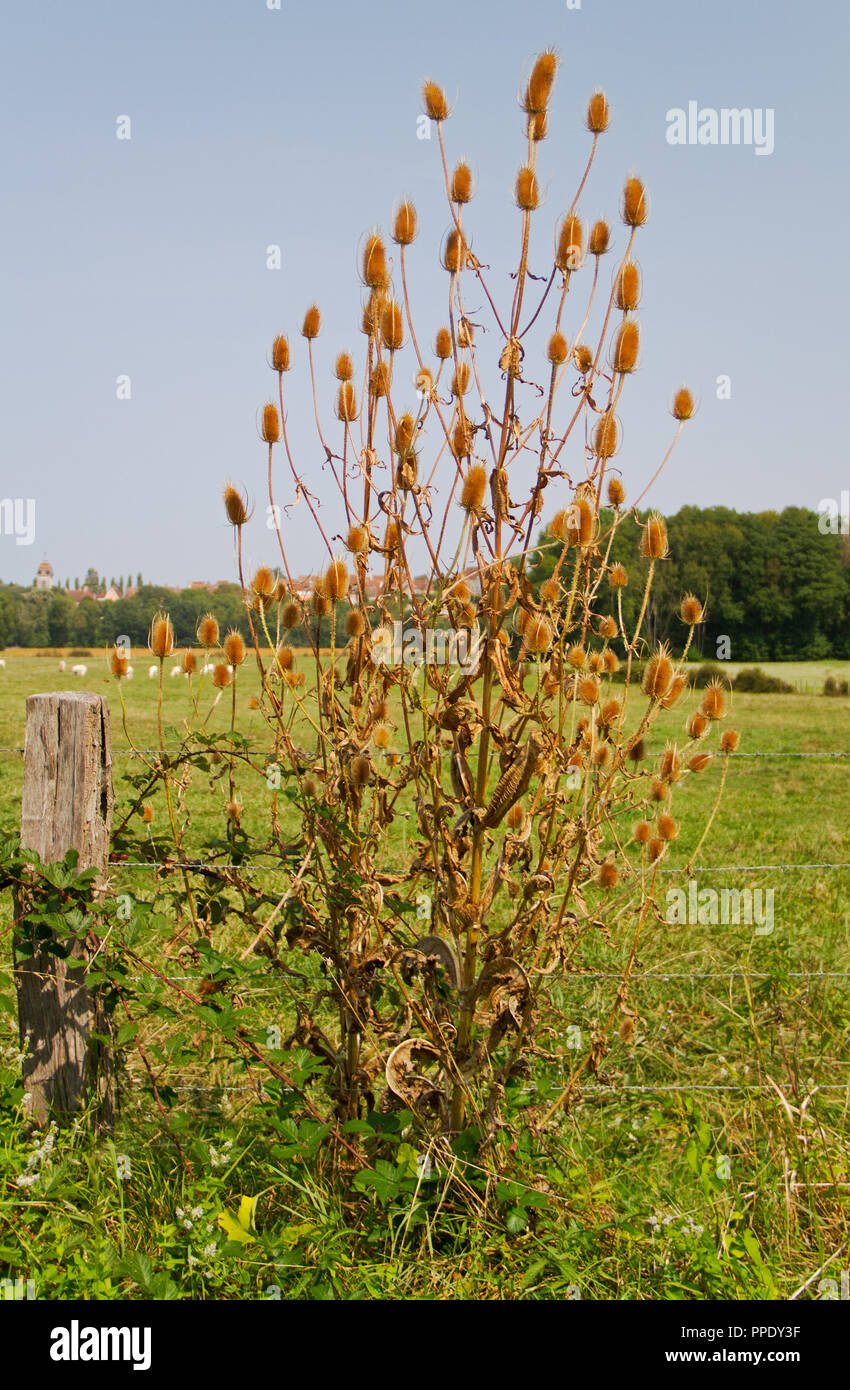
(476, 268)
(190, 897)
(715, 809)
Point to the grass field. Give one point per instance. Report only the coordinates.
(713, 1163)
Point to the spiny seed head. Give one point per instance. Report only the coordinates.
(460, 380)
(550, 591)
(404, 223)
(583, 358)
(576, 657)
(610, 661)
(344, 367)
(207, 633)
(595, 663)
(635, 203)
(598, 114)
(609, 713)
(654, 850)
(310, 788)
(360, 770)
(454, 251)
(608, 627)
(118, 663)
(516, 817)
(355, 623)
(461, 188)
(526, 192)
(653, 541)
(462, 439)
(616, 492)
(379, 381)
(381, 736)
(696, 725)
(626, 345)
(617, 576)
(474, 488)
(375, 271)
(253, 702)
(666, 827)
(628, 287)
(271, 423)
(600, 237)
(391, 536)
(235, 506)
(346, 403)
(609, 875)
(538, 126)
(234, 811)
(683, 404)
(290, 614)
(189, 663)
(312, 322)
(559, 526)
(320, 599)
(691, 610)
(234, 647)
(677, 686)
(713, 704)
(729, 740)
(607, 435)
(658, 791)
(336, 580)
(540, 83)
(372, 310)
(538, 634)
(636, 750)
(161, 639)
(147, 812)
(443, 344)
(392, 327)
(581, 522)
(280, 353)
(658, 676)
(699, 762)
(285, 657)
(557, 349)
(588, 690)
(279, 591)
(424, 382)
(570, 250)
(670, 764)
(460, 591)
(263, 582)
(434, 101)
(221, 675)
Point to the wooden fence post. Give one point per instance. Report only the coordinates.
(67, 803)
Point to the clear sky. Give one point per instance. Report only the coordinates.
(298, 126)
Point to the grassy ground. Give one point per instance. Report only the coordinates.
(700, 1169)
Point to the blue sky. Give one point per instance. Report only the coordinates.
(297, 126)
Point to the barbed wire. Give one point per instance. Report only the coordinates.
(264, 752)
(201, 866)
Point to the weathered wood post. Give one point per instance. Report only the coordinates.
(67, 803)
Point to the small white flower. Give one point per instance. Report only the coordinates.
(197, 1213)
(192, 1260)
(210, 1250)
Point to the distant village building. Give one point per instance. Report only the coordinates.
(44, 578)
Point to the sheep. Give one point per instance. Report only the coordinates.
(79, 670)
(208, 669)
(61, 666)
(175, 671)
(2, 664)
(129, 673)
(153, 672)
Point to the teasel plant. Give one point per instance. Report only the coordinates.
(506, 725)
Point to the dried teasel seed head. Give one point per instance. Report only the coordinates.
(355, 623)
(539, 634)
(434, 101)
(360, 768)
(271, 423)
(636, 750)
(654, 850)
(346, 403)
(312, 322)
(336, 580)
(285, 657)
(729, 740)
(460, 380)
(310, 787)
(392, 539)
(119, 663)
(600, 238)
(526, 191)
(253, 702)
(443, 344)
(679, 683)
(320, 600)
(666, 827)
(280, 353)
(583, 358)
(617, 576)
(595, 663)
(581, 522)
(658, 676)
(635, 208)
(588, 690)
(375, 272)
(161, 639)
(609, 713)
(207, 633)
(670, 765)
(610, 661)
(147, 812)
(653, 541)
(696, 725)
(569, 253)
(628, 287)
(539, 87)
(462, 439)
(454, 252)
(658, 791)
(404, 224)
(557, 349)
(460, 591)
(263, 582)
(234, 647)
(357, 540)
(713, 703)
(550, 591)
(626, 346)
(691, 610)
(609, 875)
(606, 436)
(516, 817)
(683, 404)
(598, 114)
(576, 658)
(474, 488)
(189, 663)
(392, 327)
(235, 506)
(344, 367)
(279, 591)
(290, 614)
(608, 627)
(234, 811)
(538, 126)
(372, 310)
(461, 188)
(381, 736)
(379, 382)
(221, 675)
(616, 493)
(699, 762)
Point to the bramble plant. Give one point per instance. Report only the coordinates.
(507, 721)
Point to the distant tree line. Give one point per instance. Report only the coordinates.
(774, 587)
